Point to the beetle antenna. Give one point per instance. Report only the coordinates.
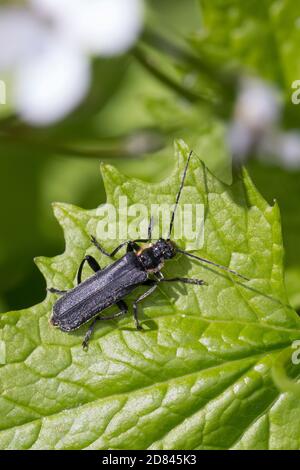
(150, 227)
(179, 194)
(231, 271)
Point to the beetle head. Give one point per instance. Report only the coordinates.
(164, 249)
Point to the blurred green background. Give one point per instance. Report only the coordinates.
(178, 81)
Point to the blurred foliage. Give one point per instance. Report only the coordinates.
(179, 81)
(276, 183)
(261, 37)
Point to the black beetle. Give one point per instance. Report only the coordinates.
(140, 266)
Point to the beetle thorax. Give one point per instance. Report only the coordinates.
(153, 257)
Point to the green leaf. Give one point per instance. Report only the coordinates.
(261, 35)
(273, 182)
(205, 133)
(18, 212)
(198, 376)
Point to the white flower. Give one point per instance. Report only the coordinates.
(255, 128)
(289, 149)
(240, 141)
(20, 36)
(105, 27)
(282, 148)
(258, 105)
(48, 85)
(47, 48)
(257, 111)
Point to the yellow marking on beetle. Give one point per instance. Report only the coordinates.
(143, 248)
(158, 268)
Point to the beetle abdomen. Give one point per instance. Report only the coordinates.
(100, 291)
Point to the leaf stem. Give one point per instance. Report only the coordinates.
(226, 81)
(151, 65)
(130, 146)
(161, 43)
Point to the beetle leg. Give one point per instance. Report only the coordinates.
(123, 310)
(142, 297)
(132, 245)
(52, 290)
(150, 227)
(85, 342)
(149, 282)
(185, 280)
(99, 247)
(94, 265)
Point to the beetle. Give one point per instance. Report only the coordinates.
(140, 266)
